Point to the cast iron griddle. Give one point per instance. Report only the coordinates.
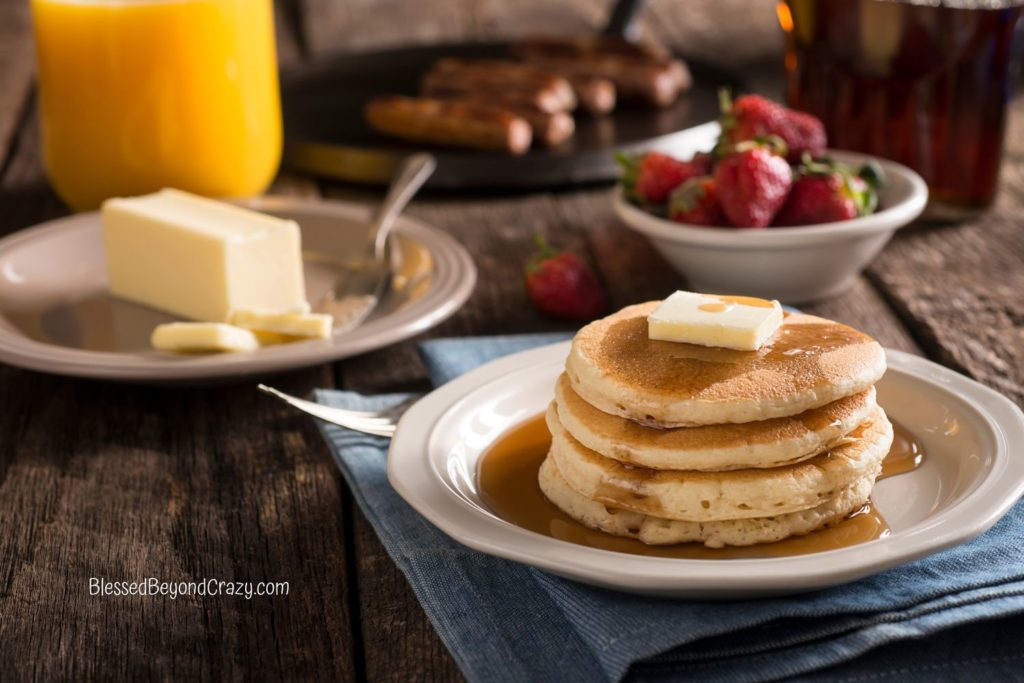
(325, 132)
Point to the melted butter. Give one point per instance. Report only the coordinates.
(507, 478)
(716, 308)
(727, 303)
(746, 301)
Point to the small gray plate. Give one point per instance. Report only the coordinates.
(57, 315)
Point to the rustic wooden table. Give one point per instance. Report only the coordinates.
(105, 480)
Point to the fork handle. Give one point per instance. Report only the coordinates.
(335, 416)
(411, 175)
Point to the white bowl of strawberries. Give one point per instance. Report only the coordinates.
(768, 210)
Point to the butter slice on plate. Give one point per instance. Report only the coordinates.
(199, 258)
(318, 325)
(733, 322)
(203, 338)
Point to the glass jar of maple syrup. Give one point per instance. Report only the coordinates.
(924, 84)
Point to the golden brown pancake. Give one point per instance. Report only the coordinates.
(710, 448)
(808, 363)
(738, 532)
(716, 496)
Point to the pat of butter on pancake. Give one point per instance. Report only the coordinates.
(732, 322)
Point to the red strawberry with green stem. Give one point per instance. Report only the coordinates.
(561, 285)
(696, 203)
(650, 178)
(753, 116)
(752, 181)
(826, 192)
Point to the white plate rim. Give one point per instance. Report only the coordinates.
(454, 278)
(412, 477)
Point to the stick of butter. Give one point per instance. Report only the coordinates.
(199, 259)
(291, 324)
(203, 338)
(733, 322)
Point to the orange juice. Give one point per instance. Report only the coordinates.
(137, 95)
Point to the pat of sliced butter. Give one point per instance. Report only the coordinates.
(203, 338)
(732, 322)
(199, 258)
(317, 325)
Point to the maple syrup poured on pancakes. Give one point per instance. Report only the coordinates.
(507, 477)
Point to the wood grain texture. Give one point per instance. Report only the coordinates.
(125, 482)
(25, 196)
(17, 67)
(399, 643)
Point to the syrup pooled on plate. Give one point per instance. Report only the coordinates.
(507, 477)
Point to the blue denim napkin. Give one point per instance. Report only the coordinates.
(504, 621)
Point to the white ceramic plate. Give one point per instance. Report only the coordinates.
(973, 473)
(56, 314)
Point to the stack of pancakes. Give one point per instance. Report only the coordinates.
(669, 443)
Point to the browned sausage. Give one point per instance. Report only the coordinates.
(659, 84)
(595, 95)
(549, 128)
(460, 124)
(636, 71)
(450, 86)
(529, 85)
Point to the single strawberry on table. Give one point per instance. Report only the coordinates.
(696, 202)
(651, 177)
(562, 285)
(752, 181)
(753, 116)
(825, 192)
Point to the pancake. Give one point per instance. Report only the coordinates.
(808, 363)
(656, 531)
(712, 496)
(768, 443)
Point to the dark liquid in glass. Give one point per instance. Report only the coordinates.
(923, 85)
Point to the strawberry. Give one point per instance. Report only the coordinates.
(825, 192)
(695, 202)
(561, 285)
(753, 116)
(752, 182)
(652, 177)
(817, 199)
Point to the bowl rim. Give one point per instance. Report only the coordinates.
(888, 219)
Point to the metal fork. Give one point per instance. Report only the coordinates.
(358, 291)
(375, 422)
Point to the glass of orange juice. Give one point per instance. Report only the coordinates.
(137, 95)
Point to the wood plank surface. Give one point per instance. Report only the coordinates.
(17, 67)
(124, 482)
